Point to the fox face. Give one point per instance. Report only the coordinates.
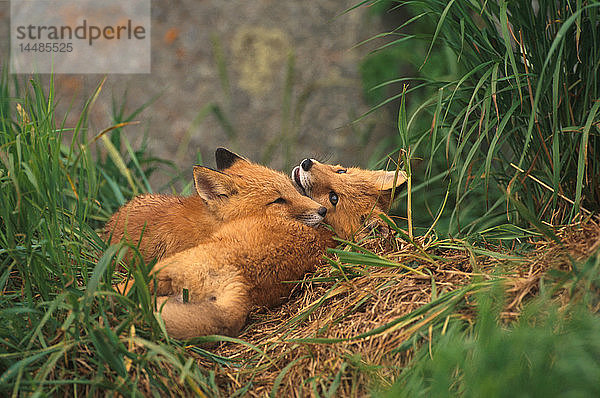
(241, 188)
(351, 195)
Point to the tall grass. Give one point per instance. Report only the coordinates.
(551, 351)
(522, 119)
(63, 327)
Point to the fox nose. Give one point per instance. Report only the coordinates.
(306, 164)
(322, 210)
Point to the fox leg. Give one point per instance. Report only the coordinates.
(219, 305)
(187, 320)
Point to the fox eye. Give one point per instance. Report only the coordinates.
(341, 171)
(279, 201)
(333, 198)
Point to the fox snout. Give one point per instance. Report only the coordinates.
(313, 217)
(306, 164)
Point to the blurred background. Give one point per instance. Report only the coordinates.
(276, 81)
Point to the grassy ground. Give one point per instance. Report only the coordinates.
(354, 328)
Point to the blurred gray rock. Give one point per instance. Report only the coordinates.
(281, 75)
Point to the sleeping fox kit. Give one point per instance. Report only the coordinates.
(163, 225)
(244, 263)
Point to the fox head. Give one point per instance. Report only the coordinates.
(351, 195)
(241, 188)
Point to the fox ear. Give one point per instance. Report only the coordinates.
(225, 158)
(385, 180)
(211, 184)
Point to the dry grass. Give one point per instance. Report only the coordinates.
(344, 335)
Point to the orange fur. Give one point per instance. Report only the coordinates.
(244, 264)
(169, 224)
(361, 194)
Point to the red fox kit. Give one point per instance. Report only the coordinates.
(240, 268)
(351, 195)
(168, 224)
(246, 262)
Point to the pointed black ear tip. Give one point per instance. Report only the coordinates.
(225, 158)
